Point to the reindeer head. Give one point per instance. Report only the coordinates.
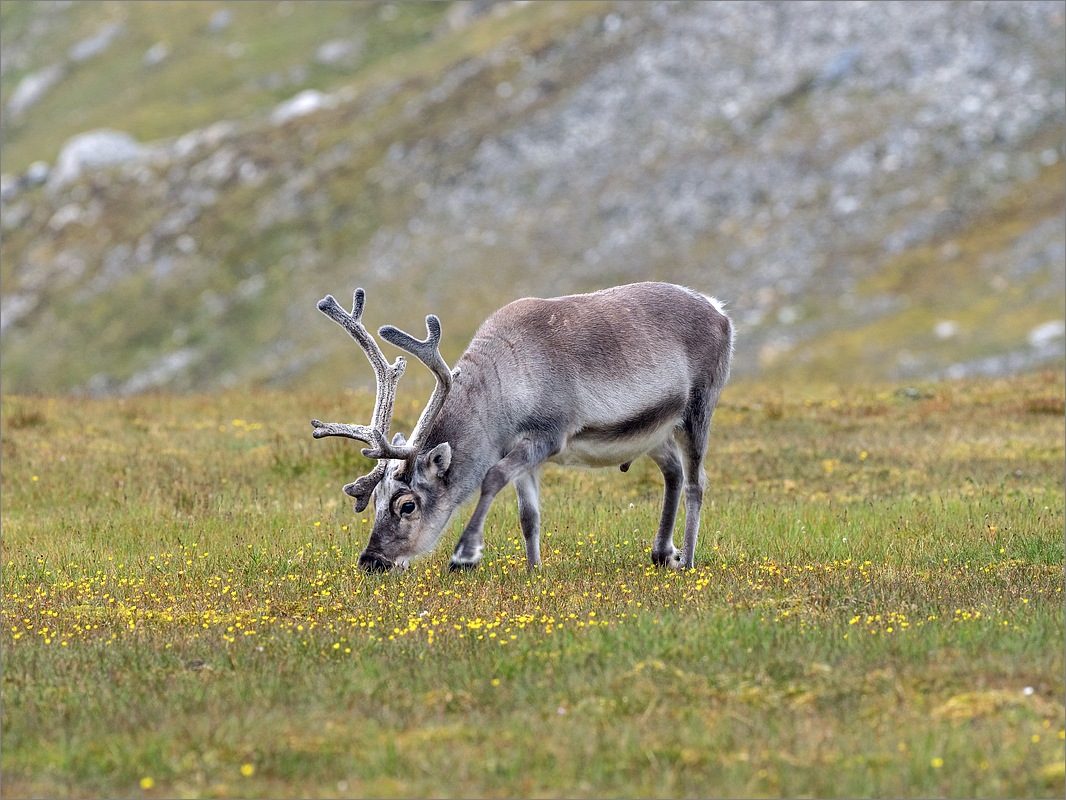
(408, 486)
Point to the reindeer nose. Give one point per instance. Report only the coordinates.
(372, 562)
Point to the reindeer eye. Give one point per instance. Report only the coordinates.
(407, 508)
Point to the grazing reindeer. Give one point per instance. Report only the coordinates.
(592, 379)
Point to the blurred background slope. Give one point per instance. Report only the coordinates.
(875, 188)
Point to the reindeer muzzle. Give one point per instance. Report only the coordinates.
(372, 562)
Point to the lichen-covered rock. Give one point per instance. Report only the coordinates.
(92, 150)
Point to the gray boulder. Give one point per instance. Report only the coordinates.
(32, 88)
(92, 150)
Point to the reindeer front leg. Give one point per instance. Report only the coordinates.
(526, 456)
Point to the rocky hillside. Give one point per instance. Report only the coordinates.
(875, 188)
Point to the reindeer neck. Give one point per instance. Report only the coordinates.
(470, 425)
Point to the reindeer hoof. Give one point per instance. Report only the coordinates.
(462, 566)
(671, 560)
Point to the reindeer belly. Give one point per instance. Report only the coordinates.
(613, 442)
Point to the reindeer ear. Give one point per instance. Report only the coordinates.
(398, 440)
(437, 460)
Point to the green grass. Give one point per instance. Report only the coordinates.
(241, 70)
(265, 55)
(946, 279)
(876, 610)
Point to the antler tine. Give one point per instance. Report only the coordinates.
(363, 488)
(361, 432)
(428, 352)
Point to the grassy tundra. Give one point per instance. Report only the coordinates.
(876, 609)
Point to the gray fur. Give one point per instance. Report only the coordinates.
(587, 380)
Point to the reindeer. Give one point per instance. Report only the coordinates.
(585, 380)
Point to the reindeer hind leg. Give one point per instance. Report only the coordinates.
(668, 458)
(692, 436)
(528, 488)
